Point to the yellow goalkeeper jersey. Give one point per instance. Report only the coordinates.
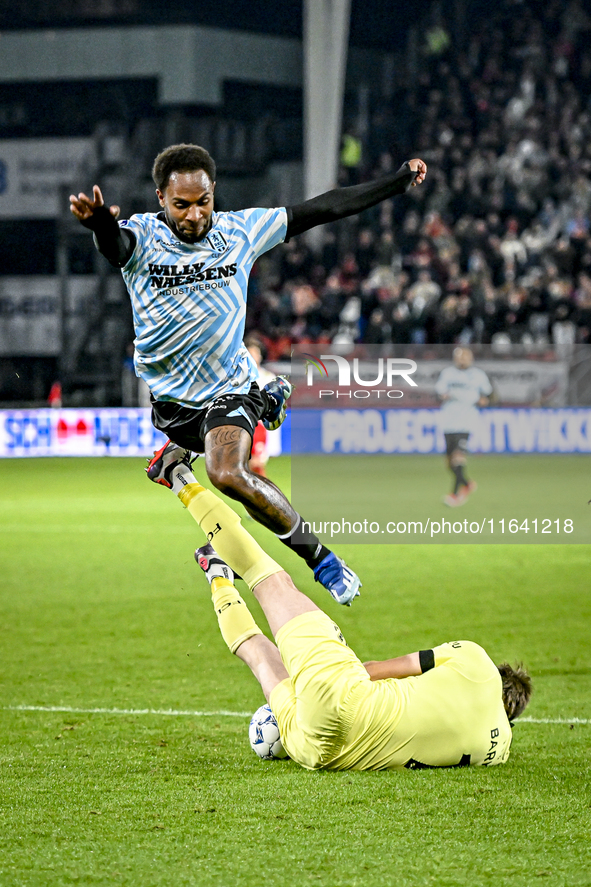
(452, 715)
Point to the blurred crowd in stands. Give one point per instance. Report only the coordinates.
(495, 247)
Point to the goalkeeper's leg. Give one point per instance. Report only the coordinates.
(237, 626)
(218, 521)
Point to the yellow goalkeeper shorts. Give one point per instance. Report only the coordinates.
(316, 706)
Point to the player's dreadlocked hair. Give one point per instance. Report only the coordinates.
(181, 158)
(517, 688)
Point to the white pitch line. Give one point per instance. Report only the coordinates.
(222, 713)
(553, 721)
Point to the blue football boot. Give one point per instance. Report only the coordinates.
(339, 579)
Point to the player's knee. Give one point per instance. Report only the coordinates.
(457, 458)
(222, 478)
(230, 481)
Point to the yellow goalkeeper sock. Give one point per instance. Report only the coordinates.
(234, 617)
(224, 530)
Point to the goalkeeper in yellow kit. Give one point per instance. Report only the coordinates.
(444, 707)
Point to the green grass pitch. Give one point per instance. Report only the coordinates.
(102, 607)
(524, 499)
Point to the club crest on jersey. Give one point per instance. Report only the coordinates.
(217, 242)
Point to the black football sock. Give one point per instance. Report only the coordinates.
(305, 544)
(461, 480)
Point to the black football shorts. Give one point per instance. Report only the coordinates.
(187, 427)
(456, 441)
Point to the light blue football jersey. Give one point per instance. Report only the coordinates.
(464, 389)
(189, 303)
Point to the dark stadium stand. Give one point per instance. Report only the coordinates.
(496, 246)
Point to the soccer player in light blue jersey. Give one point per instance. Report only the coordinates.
(186, 269)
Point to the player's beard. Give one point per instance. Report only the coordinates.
(185, 238)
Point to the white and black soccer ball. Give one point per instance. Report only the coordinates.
(263, 733)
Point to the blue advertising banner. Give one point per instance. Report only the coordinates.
(94, 432)
(73, 432)
(566, 430)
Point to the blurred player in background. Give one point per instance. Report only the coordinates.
(461, 388)
(186, 269)
(259, 454)
(448, 706)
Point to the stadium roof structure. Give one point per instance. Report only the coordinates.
(378, 24)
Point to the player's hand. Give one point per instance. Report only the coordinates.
(83, 207)
(420, 167)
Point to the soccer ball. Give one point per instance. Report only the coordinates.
(263, 734)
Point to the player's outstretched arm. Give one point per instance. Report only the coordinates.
(116, 245)
(400, 667)
(343, 202)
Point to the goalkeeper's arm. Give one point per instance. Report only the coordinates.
(402, 666)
